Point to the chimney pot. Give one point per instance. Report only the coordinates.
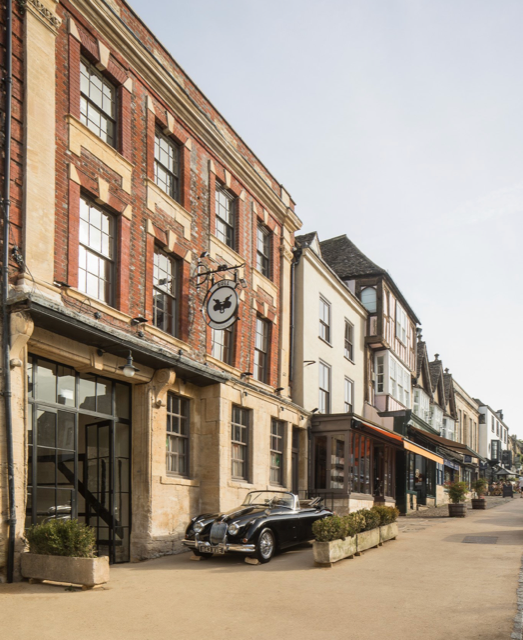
(436, 356)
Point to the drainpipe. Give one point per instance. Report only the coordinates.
(294, 264)
(6, 333)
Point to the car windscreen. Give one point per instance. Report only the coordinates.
(270, 499)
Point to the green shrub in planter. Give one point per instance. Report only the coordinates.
(387, 515)
(480, 486)
(355, 522)
(372, 519)
(62, 538)
(328, 529)
(457, 491)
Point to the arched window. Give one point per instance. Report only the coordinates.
(368, 299)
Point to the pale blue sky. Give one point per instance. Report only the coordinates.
(400, 123)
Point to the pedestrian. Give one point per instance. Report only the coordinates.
(521, 486)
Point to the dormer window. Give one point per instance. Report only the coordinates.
(368, 298)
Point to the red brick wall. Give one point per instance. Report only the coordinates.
(134, 289)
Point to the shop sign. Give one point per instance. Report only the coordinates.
(221, 306)
(451, 465)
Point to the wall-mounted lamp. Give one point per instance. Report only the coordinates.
(61, 284)
(245, 393)
(279, 389)
(315, 410)
(205, 254)
(245, 374)
(309, 362)
(97, 315)
(128, 369)
(138, 320)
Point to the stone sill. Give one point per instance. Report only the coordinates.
(223, 365)
(238, 484)
(178, 480)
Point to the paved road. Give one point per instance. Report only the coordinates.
(426, 585)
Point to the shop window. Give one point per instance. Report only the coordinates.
(360, 463)
(177, 435)
(97, 103)
(240, 443)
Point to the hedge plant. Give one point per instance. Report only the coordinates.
(330, 528)
(62, 538)
(387, 515)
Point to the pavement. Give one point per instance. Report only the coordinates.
(425, 585)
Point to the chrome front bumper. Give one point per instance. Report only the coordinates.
(241, 548)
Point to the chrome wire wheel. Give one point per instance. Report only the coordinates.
(265, 546)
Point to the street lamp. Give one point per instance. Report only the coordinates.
(128, 369)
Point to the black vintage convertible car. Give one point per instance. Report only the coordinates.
(266, 522)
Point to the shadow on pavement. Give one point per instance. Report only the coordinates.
(504, 538)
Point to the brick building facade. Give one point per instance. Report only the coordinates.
(126, 183)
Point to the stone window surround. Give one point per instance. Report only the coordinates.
(234, 188)
(77, 187)
(105, 65)
(161, 119)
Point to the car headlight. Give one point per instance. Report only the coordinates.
(234, 528)
(198, 527)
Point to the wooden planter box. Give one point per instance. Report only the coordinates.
(368, 539)
(479, 503)
(457, 510)
(326, 553)
(388, 532)
(87, 572)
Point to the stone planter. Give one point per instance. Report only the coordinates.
(479, 503)
(368, 539)
(457, 510)
(88, 572)
(388, 532)
(326, 553)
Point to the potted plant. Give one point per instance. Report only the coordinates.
(480, 487)
(369, 537)
(335, 538)
(64, 551)
(457, 493)
(387, 525)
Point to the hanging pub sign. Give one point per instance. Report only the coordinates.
(221, 305)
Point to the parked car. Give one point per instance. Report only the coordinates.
(266, 522)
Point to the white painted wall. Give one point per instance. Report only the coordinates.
(314, 278)
(486, 435)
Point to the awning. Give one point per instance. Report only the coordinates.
(449, 444)
(385, 433)
(451, 465)
(415, 448)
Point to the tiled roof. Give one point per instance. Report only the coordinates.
(436, 370)
(344, 257)
(305, 239)
(347, 260)
(447, 380)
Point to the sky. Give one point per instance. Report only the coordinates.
(399, 123)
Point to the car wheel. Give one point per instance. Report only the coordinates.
(266, 546)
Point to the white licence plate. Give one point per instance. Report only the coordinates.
(203, 548)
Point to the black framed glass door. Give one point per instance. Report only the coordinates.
(79, 462)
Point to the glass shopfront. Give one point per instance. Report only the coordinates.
(353, 462)
(79, 435)
(421, 477)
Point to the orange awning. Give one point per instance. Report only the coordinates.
(384, 432)
(410, 446)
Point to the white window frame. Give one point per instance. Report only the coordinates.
(349, 340)
(421, 404)
(325, 376)
(349, 395)
(401, 324)
(325, 320)
(394, 380)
